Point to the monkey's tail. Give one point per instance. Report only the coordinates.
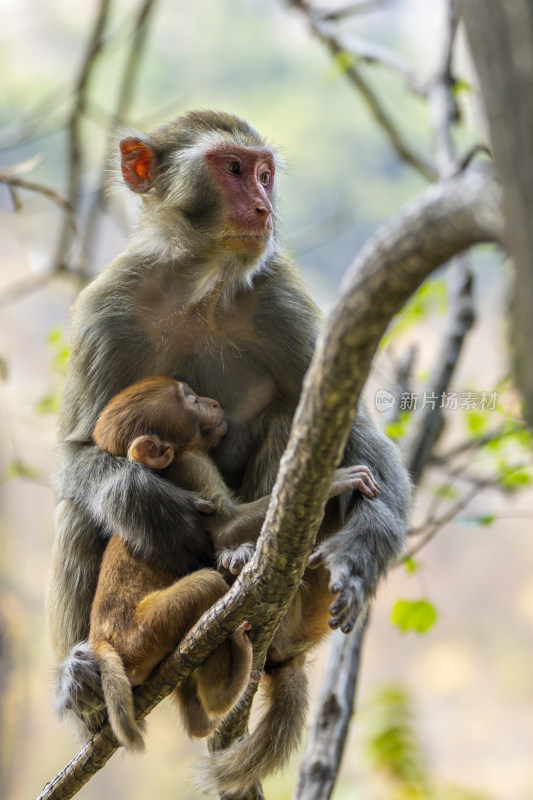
(80, 676)
(269, 746)
(118, 696)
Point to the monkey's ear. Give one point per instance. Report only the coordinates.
(137, 162)
(151, 451)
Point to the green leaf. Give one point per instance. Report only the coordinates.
(17, 469)
(397, 429)
(55, 335)
(514, 479)
(461, 86)
(447, 491)
(341, 64)
(49, 404)
(484, 519)
(418, 616)
(477, 422)
(431, 297)
(411, 566)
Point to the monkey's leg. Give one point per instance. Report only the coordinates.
(198, 723)
(162, 619)
(152, 515)
(224, 676)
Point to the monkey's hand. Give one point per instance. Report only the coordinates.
(231, 561)
(356, 477)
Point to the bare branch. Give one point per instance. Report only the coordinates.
(95, 46)
(13, 181)
(501, 38)
(429, 423)
(322, 758)
(395, 138)
(438, 523)
(351, 10)
(474, 444)
(372, 53)
(129, 78)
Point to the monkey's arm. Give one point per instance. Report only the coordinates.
(155, 517)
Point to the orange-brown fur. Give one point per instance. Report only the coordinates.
(140, 611)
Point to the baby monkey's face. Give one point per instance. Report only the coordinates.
(202, 416)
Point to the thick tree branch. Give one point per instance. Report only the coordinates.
(320, 766)
(444, 220)
(501, 37)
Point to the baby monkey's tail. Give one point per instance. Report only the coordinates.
(118, 696)
(90, 669)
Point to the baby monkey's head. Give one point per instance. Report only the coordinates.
(155, 419)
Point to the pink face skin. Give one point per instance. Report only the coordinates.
(246, 177)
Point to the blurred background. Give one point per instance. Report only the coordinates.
(445, 706)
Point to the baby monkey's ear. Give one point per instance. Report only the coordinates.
(151, 451)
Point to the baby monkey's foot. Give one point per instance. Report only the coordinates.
(231, 562)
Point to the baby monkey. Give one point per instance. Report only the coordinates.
(141, 612)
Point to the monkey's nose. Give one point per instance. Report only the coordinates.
(262, 210)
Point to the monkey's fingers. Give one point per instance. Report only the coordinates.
(365, 481)
(256, 675)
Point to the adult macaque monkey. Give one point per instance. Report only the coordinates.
(204, 293)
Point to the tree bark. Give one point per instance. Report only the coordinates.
(501, 38)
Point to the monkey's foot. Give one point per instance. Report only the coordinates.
(232, 561)
(349, 609)
(240, 637)
(242, 641)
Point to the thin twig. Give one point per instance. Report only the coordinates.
(125, 98)
(428, 425)
(351, 10)
(395, 138)
(475, 444)
(75, 157)
(372, 53)
(21, 183)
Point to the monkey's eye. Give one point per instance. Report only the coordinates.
(191, 398)
(265, 178)
(234, 167)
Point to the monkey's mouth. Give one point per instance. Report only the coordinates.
(264, 235)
